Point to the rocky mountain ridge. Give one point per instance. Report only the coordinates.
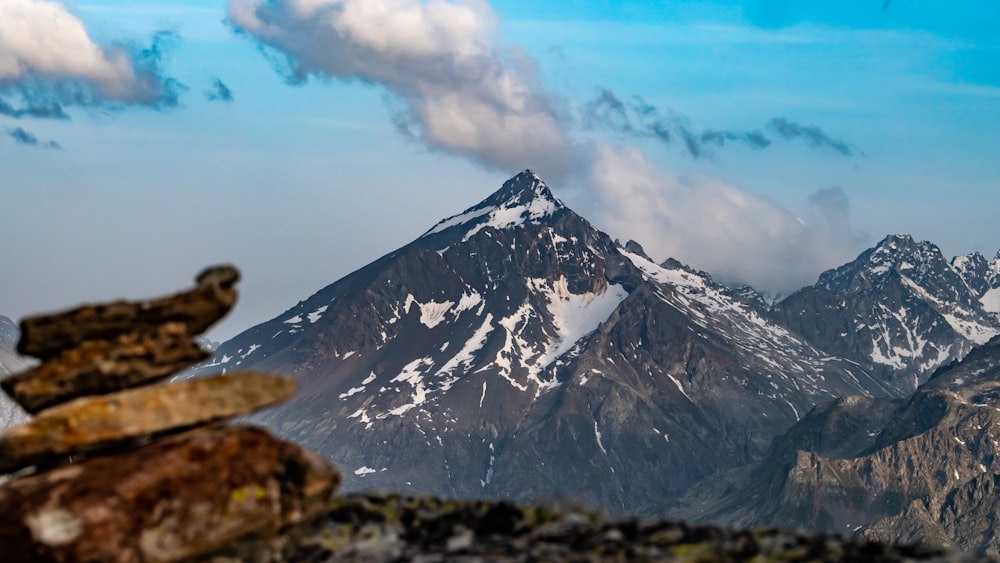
(922, 468)
(516, 351)
(900, 309)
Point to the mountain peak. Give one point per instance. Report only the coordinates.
(522, 189)
(901, 251)
(901, 241)
(522, 199)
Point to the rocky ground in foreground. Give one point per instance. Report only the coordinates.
(373, 527)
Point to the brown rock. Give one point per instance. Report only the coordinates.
(47, 335)
(173, 499)
(98, 367)
(93, 423)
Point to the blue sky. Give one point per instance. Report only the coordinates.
(350, 133)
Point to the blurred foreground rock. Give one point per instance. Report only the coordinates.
(96, 423)
(383, 528)
(117, 467)
(46, 336)
(169, 500)
(97, 367)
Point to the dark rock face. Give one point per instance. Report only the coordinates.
(516, 351)
(169, 500)
(920, 469)
(900, 310)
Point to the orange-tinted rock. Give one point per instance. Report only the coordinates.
(97, 367)
(173, 499)
(46, 336)
(93, 423)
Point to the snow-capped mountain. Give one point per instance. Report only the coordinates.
(516, 351)
(983, 278)
(900, 309)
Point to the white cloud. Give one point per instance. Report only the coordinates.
(717, 227)
(459, 91)
(45, 52)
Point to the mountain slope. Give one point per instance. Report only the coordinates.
(983, 278)
(10, 413)
(900, 309)
(921, 469)
(516, 351)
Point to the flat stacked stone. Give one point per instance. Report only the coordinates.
(95, 423)
(129, 468)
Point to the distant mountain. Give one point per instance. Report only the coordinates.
(923, 469)
(516, 351)
(10, 362)
(900, 309)
(9, 332)
(983, 278)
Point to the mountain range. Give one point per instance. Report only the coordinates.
(900, 309)
(516, 351)
(925, 468)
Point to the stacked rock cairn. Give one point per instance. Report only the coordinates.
(116, 465)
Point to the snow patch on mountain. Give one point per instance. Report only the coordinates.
(991, 300)
(317, 314)
(505, 217)
(961, 320)
(464, 358)
(527, 200)
(459, 219)
(975, 332)
(574, 315)
(597, 434)
(412, 374)
(432, 313)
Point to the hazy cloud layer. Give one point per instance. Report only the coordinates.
(753, 139)
(810, 134)
(835, 208)
(639, 119)
(457, 90)
(47, 59)
(717, 227)
(219, 92)
(50, 110)
(23, 137)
